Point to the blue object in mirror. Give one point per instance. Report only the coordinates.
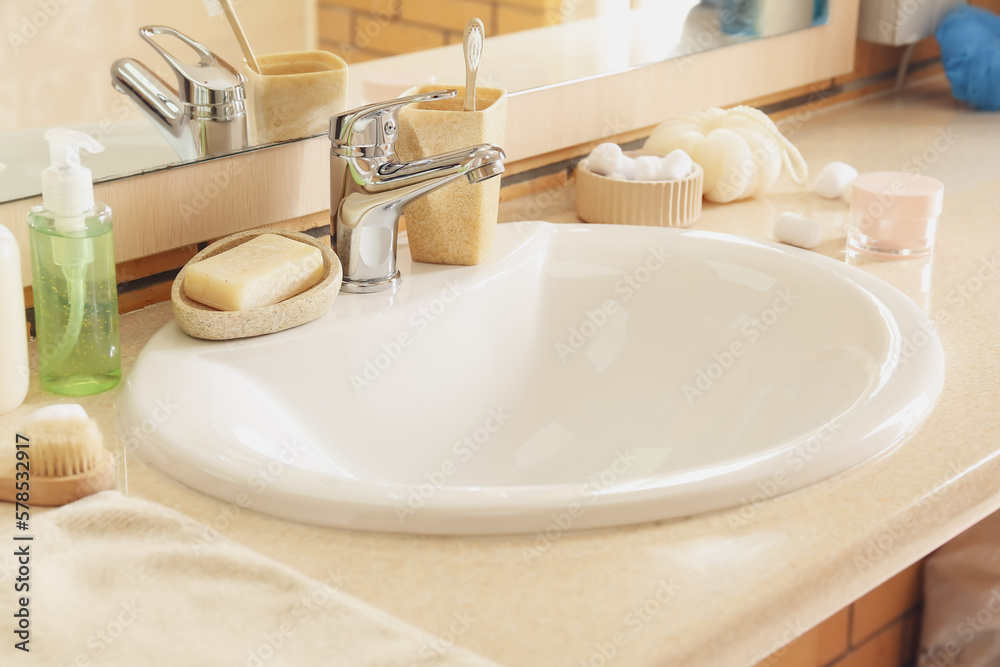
(970, 51)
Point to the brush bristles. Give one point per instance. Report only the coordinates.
(214, 7)
(64, 447)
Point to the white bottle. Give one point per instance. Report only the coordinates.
(13, 332)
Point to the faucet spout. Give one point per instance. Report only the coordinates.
(411, 180)
(151, 94)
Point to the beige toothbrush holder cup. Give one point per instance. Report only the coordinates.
(455, 224)
(295, 94)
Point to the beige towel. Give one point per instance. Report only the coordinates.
(116, 581)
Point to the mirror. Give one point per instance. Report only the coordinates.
(58, 55)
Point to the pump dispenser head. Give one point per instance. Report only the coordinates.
(68, 186)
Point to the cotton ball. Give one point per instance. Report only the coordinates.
(618, 176)
(626, 167)
(675, 166)
(797, 230)
(604, 159)
(647, 168)
(835, 180)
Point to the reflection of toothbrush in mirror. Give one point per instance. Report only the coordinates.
(472, 45)
(216, 7)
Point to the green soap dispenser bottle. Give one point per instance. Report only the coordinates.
(73, 274)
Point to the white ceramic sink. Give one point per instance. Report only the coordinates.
(584, 376)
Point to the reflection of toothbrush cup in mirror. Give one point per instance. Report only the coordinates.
(295, 94)
(291, 95)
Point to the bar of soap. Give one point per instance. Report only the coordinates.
(261, 272)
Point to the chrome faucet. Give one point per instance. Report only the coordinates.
(370, 187)
(205, 116)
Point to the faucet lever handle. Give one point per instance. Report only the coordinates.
(208, 82)
(375, 124)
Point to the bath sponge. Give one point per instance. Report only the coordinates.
(970, 51)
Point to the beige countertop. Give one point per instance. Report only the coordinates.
(725, 588)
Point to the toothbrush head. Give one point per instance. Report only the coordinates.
(214, 7)
(472, 41)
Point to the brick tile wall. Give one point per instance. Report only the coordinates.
(359, 30)
(881, 629)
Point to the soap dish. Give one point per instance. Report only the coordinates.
(202, 321)
(656, 203)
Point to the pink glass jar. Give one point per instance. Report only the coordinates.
(894, 214)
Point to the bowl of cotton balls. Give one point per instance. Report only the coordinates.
(638, 188)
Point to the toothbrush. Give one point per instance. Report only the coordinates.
(472, 45)
(216, 7)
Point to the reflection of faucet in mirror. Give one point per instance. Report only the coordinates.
(205, 116)
(581, 46)
(370, 186)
